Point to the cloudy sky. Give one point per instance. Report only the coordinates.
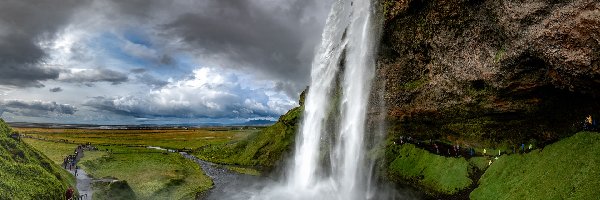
(155, 62)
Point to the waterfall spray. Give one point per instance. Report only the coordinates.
(347, 47)
(348, 28)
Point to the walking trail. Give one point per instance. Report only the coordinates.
(84, 181)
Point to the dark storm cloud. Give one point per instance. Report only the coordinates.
(90, 76)
(23, 24)
(56, 89)
(146, 107)
(150, 80)
(138, 70)
(278, 43)
(36, 108)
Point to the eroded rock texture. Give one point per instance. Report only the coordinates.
(489, 72)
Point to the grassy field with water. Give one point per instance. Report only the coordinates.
(151, 174)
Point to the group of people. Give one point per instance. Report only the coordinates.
(455, 150)
(70, 161)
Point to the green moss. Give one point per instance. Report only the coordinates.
(480, 163)
(415, 84)
(26, 173)
(244, 170)
(116, 190)
(499, 54)
(568, 169)
(436, 173)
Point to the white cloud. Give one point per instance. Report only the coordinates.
(209, 92)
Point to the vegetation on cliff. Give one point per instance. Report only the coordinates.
(264, 148)
(25, 173)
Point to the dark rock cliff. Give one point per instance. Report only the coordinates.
(489, 72)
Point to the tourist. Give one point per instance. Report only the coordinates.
(522, 148)
(484, 152)
(490, 163)
(69, 193)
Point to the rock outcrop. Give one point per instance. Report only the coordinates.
(487, 71)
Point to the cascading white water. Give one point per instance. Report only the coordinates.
(348, 29)
(347, 35)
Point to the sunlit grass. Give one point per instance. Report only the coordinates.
(54, 150)
(568, 169)
(152, 174)
(174, 139)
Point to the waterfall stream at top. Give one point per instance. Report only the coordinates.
(347, 47)
(330, 159)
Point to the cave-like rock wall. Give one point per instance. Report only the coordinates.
(488, 71)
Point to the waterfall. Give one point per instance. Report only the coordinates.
(347, 47)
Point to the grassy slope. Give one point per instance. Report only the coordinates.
(433, 172)
(264, 148)
(55, 151)
(151, 174)
(568, 169)
(26, 173)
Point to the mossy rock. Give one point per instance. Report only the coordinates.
(115, 190)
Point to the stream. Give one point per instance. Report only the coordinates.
(226, 182)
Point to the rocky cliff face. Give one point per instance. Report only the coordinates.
(489, 71)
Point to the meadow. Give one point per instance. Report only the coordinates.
(151, 174)
(122, 155)
(165, 138)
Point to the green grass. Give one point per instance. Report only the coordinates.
(173, 139)
(264, 148)
(54, 150)
(117, 190)
(415, 84)
(25, 173)
(480, 163)
(152, 174)
(244, 170)
(568, 169)
(435, 173)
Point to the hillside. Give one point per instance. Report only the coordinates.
(28, 174)
(265, 148)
